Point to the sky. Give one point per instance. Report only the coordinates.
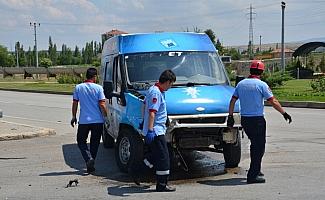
(75, 22)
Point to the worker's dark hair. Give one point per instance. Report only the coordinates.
(91, 73)
(255, 71)
(167, 75)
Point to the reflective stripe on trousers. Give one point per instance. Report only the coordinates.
(166, 172)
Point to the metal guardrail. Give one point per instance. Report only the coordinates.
(50, 72)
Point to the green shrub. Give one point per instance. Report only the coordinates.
(96, 63)
(318, 84)
(231, 74)
(276, 79)
(69, 79)
(45, 62)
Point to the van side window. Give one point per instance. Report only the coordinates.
(117, 75)
(108, 72)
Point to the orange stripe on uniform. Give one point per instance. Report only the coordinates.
(271, 98)
(152, 110)
(234, 97)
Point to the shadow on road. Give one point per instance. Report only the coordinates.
(200, 165)
(224, 182)
(124, 191)
(105, 164)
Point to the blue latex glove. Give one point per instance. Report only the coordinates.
(150, 136)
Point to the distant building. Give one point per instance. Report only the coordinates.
(112, 33)
(277, 53)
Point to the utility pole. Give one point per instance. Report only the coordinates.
(35, 25)
(251, 34)
(283, 5)
(17, 54)
(260, 43)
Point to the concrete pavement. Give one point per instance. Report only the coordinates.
(15, 131)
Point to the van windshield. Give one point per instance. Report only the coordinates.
(190, 67)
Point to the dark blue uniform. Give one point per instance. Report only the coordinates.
(251, 93)
(155, 102)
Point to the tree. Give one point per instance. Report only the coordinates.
(52, 52)
(6, 59)
(45, 62)
(321, 65)
(211, 35)
(30, 58)
(76, 60)
(19, 49)
(235, 55)
(250, 50)
(311, 62)
(65, 57)
(219, 47)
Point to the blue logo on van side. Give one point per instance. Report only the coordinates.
(168, 43)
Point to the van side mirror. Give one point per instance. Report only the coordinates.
(238, 79)
(108, 89)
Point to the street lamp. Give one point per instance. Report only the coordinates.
(34, 24)
(283, 5)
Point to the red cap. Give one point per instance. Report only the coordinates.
(257, 64)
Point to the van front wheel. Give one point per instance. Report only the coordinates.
(232, 153)
(129, 149)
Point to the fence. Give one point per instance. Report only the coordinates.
(49, 72)
(242, 67)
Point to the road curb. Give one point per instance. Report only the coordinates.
(35, 91)
(301, 104)
(27, 131)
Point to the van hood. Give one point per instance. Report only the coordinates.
(199, 100)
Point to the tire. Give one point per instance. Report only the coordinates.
(232, 153)
(108, 140)
(128, 149)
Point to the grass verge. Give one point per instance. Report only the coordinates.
(38, 86)
(298, 90)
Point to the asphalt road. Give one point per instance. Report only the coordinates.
(44, 110)
(40, 168)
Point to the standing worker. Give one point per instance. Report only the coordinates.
(154, 128)
(251, 93)
(93, 114)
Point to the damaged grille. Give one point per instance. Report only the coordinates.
(205, 120)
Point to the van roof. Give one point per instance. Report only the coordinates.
(158, 42)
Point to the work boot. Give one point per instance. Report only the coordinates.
(260, 174)
(90, 165)
(135, 175)
(258, 179)
(166, 188)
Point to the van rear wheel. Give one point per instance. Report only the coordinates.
(128, 150)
